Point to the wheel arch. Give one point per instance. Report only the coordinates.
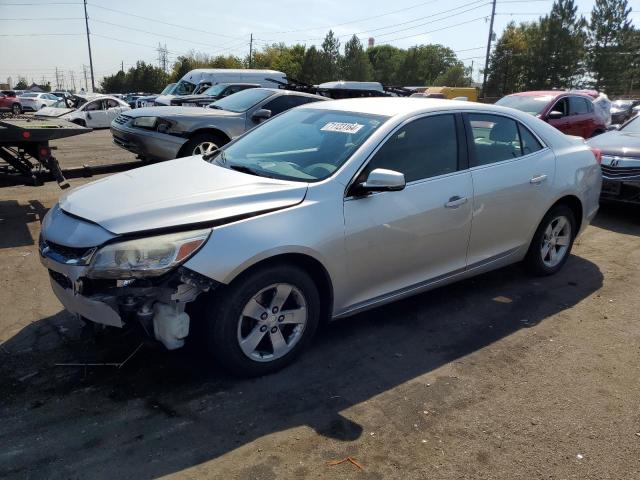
(575, 204)
(310, 265)
(211, 130)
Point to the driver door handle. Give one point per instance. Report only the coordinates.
(455, 202)
(538, 180)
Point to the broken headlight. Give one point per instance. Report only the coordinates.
(146, 257)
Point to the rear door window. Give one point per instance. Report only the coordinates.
(497, 138)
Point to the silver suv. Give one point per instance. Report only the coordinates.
(324, 211)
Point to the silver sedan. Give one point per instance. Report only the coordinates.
(327, 210)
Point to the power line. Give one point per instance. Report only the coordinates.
(484, 3)
(48, 19)
(38, 34)
(437, 30)
(190, 28)
(357, 21)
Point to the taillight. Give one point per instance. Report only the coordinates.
(598, 154)
(45, 152)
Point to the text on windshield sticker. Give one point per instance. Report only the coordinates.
(342, 127)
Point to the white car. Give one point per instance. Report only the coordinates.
(34, 101)
(98, 112)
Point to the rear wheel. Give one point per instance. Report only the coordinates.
(203, 143)
(262, 321)
(16, 108)
(552, 242)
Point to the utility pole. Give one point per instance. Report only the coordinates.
(86, 22)
(84, 71)
(250, 50)
(73, 81)
(57, 80)
(122, 65)
(486, 61)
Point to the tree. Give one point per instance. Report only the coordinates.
(143, 77)
(282, 58)
(386, 61)
(455, 76)
(564, 43)
(507, 62)
(610, 36)
(22, 84)
(329, 67)
(423, 64)
(311, 66)
(355, 63)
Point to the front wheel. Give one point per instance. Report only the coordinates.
(262, 321)
(203, 143)
(552, 242)
(16, 109)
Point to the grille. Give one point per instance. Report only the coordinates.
(620, 172)
(60, 279)
(122, 119)
(67, 255)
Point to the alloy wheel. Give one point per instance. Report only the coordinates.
(272, 322)
(204, 148)
(556, 241)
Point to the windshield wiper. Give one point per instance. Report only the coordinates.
(245, 169)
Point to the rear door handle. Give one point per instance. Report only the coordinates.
(538, 180)
(455, 202)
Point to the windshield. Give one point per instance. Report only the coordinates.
(167, 89)
(623, 104)
(242, 101)
(214, 90)
(526, 103)
(632, 126)
(302, 144)
(183, 88)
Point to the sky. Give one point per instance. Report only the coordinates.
(39, 36)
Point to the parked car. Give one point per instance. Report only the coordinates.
(190, 82)
(165, 133)
(571, 113)
(620, 162)
(34, 101)
(211, 94)
(327, 210)
(9, 102)
(622, 110)
(149, 100)
(97, 112)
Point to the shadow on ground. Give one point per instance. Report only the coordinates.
(163, 411)
(14, 220)
(619, 218)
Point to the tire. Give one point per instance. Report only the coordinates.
(16, 109)
(195, 145)
(537, 261)
(225, 323)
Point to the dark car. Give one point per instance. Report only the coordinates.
(571, 113)
(211, 94)
(620, 162)
(622, 110)
(165, 133)
(9, 102)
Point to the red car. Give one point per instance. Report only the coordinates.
(570, 112)
(9, 102)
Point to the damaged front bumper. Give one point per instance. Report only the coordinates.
(157, 304)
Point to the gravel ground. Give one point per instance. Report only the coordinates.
(500, 377)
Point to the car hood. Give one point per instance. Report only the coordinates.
(53, 112)
(178, 193)
(169, 112)
(617, 143)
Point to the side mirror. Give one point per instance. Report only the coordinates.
(381, 180)
(555, 115)
(262, 114)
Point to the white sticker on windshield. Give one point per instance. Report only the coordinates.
(342, 127)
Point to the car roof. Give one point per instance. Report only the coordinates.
(550, 93)
(290, 92)
(397, 106)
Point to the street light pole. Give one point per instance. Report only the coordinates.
(86, 22)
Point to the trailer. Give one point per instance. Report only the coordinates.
(26, 156)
